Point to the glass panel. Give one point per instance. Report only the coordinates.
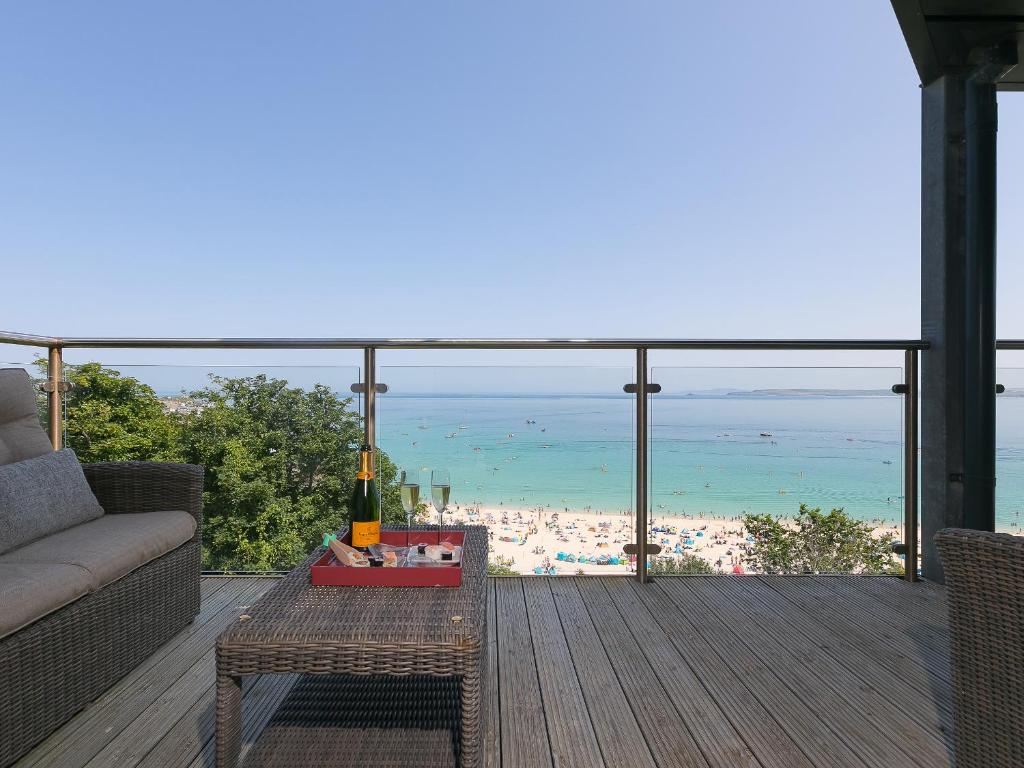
(1010, 450)
(543, 456)
(278, 444)
(728, 443)
(37, 371)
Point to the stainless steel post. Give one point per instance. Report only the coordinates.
(910, 478)
(55, 378)
(641, 465)
(370, 402)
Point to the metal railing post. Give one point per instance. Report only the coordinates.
(54, 390)
(370, 401)
(641, 465)
(910, 466)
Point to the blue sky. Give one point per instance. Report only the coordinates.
(469, 169)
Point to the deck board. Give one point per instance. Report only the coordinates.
(843, 666)
(877, 632)
(618, 735)
(688, 672)
(722, 678)
(779, 690)
(839, 699)
(525, 743)
(670, 700)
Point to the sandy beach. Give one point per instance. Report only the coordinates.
(531, 540)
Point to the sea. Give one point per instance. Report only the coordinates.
(711, 455)
(741, 440)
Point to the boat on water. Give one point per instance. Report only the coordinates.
(450, 435)
(463, 426)
(766, 434)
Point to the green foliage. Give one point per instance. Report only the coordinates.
(280, 467)
(502, 566)
(110, 417)
(818, 543)
(280, 461)
(682, 564)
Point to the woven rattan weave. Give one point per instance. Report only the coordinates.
(435, 632)
(985, 581)
(55, 666)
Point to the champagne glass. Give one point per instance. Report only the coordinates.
(410, 492)
(440, 490)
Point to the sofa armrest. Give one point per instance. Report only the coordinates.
(145, 486)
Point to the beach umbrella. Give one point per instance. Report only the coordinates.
(737, 569)
(688, 542)
(700, 534)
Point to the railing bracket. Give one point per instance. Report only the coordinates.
(652, 389)
(652, 548)
(360, 389)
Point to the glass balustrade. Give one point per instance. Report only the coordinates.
(542, 455)
(776, 469)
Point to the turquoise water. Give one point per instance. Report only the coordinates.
(707, 454)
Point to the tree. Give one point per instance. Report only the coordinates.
(819, 543)
(280, 468)
(501, 566)
(110, 417)
(682, 564)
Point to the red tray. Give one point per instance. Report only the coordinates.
(328, 572)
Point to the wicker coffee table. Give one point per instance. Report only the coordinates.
(387, 671)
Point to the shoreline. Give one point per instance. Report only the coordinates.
(534, 537)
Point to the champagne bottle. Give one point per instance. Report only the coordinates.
(364, 511)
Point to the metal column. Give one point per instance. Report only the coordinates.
(910, 420)
(641, 465)
(979, 360)
(370, 401)
(54, 389)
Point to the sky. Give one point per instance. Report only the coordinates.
(528, 169)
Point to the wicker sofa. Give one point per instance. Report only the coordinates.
(985, 583)
(80, 607)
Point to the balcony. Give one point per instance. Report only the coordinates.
(640, 667)
(685, 671)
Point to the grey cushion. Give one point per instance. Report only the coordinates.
(29, 591)
(112, 546)
(41, 496)
(21, 435)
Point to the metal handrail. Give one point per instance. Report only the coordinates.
(456, 343)
(642, 388)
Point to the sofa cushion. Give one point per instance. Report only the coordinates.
(41, 496)
(111, 546)
(21, 435)
(29, 591)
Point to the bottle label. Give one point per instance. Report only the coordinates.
(365, 534)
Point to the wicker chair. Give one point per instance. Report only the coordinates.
(53, 666)
(985, 581)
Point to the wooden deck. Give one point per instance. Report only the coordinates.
(779, 672)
